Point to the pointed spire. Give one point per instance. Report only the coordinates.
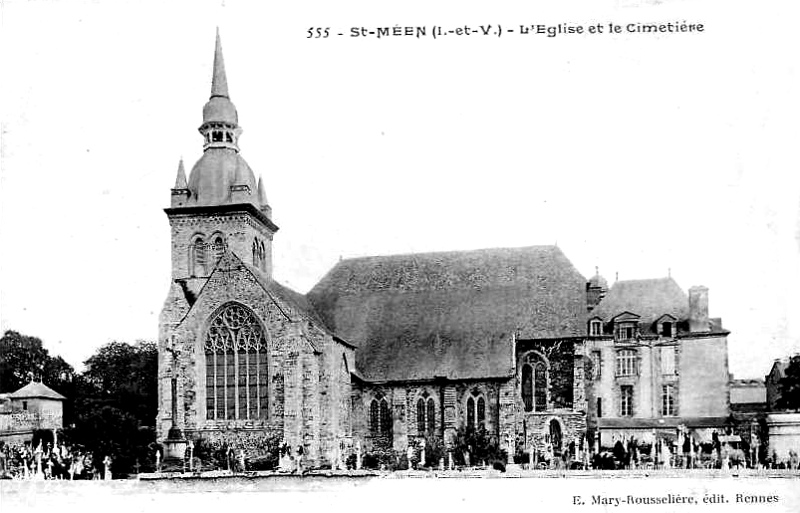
(180, 180)
(219, 82)
(262, 196)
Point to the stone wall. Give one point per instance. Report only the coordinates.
(306, 389)
(704, 378)
(238, 229)
(450, 399)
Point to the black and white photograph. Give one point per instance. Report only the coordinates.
(444, 255)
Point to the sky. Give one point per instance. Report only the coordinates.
(640, 154)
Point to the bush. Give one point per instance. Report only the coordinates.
(370, 461)
(380, 459)
(434, 452)
(480, 446)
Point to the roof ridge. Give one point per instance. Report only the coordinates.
(446, 252)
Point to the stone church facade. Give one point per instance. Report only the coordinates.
(384, 352)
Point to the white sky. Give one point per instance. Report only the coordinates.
(634, 153)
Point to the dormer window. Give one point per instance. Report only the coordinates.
(666, 326)
(626, 326)
(626, 331)
(595, 328)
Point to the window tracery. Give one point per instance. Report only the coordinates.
(236, 366)
(534, 382)
(476, 411)
(426, 415)
(380, 418)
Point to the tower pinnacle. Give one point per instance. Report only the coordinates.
(180, 179)
(219, 82)
(219, 110)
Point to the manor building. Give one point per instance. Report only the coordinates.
(384, 352)
(658, 360)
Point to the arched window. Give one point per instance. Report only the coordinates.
(527, 387)
(345, 400)
(380, 418)
(534, 382)
(421, 416)
(476, 411)
(426, 415)
(236, 366)
(431, 416)
(197, 257)
(374, 419)
(217, 249)
(386, 418)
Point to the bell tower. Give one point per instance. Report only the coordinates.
(221, 205)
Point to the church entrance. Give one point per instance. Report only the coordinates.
(555, 436)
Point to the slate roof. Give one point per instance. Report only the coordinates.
(293, 299)
(649, 299)
(35, 389)
(450, 314)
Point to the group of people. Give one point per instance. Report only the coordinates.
(45, 461)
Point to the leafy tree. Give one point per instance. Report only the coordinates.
(23, 358)
(789, 386)
(116, 405)
(125, 376)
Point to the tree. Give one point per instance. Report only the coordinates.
(125, 376)
(789, 386)
(116, 405)
(23, 358)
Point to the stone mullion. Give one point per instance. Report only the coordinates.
(225, 384)
(214, 385)
(247, 380)
(257, 356)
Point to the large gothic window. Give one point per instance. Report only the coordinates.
(534, 381)
(236, 366)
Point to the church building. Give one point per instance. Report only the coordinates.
(384, 352)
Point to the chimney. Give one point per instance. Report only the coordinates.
(698, 309)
